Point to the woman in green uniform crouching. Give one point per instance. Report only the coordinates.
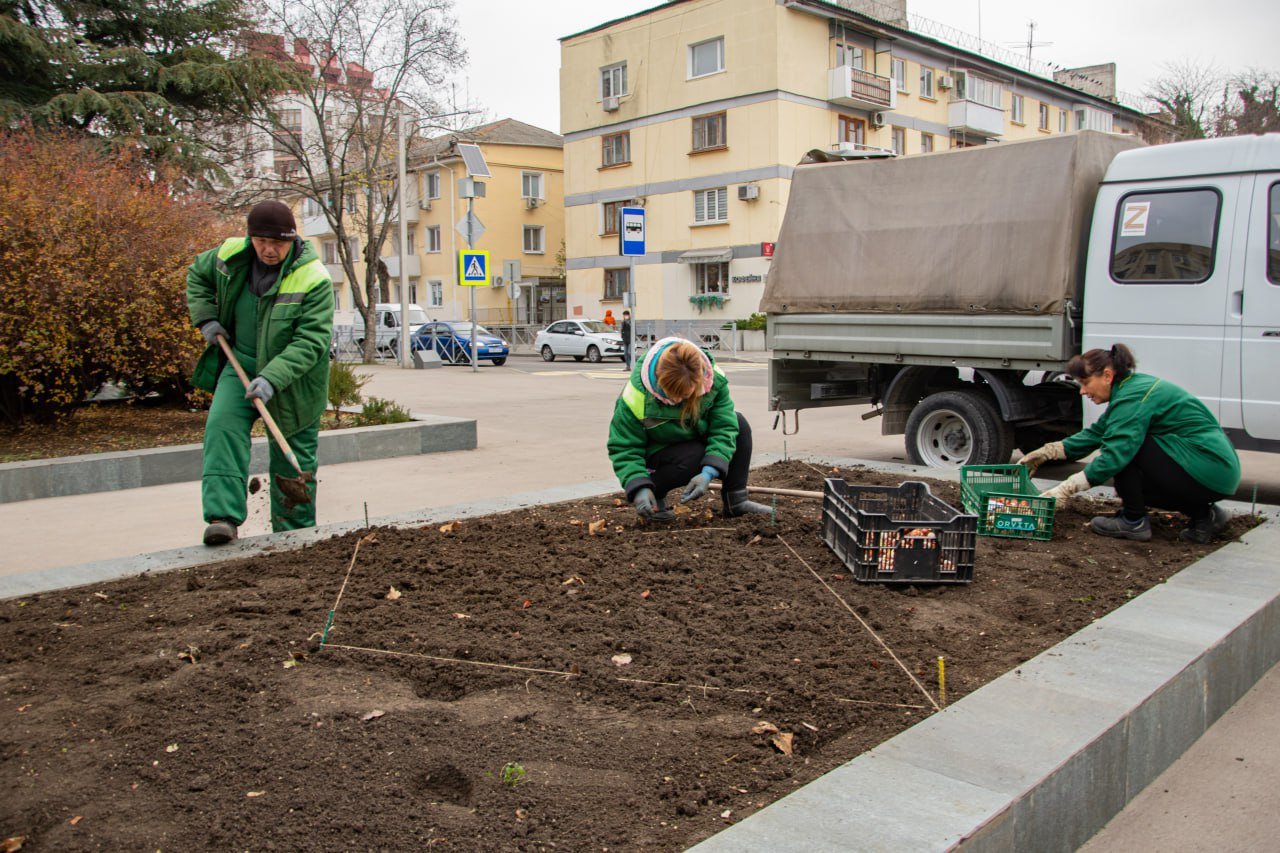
(1161, 445)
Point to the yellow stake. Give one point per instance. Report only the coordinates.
(942, 681)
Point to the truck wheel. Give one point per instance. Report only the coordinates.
(547, 353)
(954, 428)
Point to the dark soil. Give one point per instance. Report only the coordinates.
(116, 426)
(487, 704)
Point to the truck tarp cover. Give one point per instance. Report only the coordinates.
(994, 229)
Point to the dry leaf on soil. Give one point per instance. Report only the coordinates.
(393, 594)
(764, 727)
(782, 740)
(254, 793)
(621, 660)
(372, 715)
(12, 844)
(596, 526)
(450, 527)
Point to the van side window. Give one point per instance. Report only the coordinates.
(1165, 237)
(1273, 235)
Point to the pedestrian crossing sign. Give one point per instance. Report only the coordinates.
(473, 268)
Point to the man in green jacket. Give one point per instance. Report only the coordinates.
(272, 299)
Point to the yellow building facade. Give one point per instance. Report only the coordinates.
(521, 215)
(699, 110)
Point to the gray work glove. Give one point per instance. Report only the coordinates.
(645, 502)
(211, 329)
(259, 388)
(698, 485)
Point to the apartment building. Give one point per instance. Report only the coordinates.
(699, 110)
(521, 215)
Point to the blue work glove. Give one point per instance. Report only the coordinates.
(211, 329)
(645, 502)
(698, 485)
(259, 388)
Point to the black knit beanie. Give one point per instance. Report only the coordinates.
(272, 219)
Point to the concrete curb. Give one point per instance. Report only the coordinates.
(1039, 759)
(104, 472)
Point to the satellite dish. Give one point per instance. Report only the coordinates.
(474, 160)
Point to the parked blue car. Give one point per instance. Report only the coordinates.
(451, 340)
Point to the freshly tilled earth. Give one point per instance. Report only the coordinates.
(554, 678)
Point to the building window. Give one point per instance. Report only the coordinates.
(1016, 110)
(437, 292)
(433, 238)
(615, 283)
(1062, 121)
(610, 212)
(898, 71)
(853, 55)
(329, 248)
(1044, 116)
(615, 149)
(613, 80)
(337, 297)
(926, 82)
(709, 132)
(533, 243)
(926, 143)
(395, 243)
(352, 202)
(706, 57)
(432, 180)
(290, 139)
(853, 131)
(899, 141)
(1165, 237)
(531, 185)
(970, 87)
(711, 205)
(353, 248)
(711, 278)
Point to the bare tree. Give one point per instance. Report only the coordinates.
(332, 139)
(1250, 104)
(1184, 93)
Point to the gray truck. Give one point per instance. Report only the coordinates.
(948, 291)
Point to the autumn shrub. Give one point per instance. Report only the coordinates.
(344, 387)
(93, 258)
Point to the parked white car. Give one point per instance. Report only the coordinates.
(589, 339)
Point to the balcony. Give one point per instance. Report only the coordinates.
(972, 117)
(412, 266)
(316, 226)
(851, 87)
(336, 273)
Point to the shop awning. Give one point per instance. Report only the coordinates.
(706, 256)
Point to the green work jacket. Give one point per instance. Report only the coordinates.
(642, 425)
(295, 326)
(1180, 424)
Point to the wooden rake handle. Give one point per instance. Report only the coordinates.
(765, 490)
(262, 407)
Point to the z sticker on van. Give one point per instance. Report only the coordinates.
(1134, 221)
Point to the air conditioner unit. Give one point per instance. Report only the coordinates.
(496, 281)
(877, 119)
(531, 203)
(748, 192)
(424, 204)
(945, 81)
(610, 104)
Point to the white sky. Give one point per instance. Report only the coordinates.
(514, 69)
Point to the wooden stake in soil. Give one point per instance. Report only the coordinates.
(942, 681)
(324, 635)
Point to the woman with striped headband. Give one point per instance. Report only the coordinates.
(675, 425)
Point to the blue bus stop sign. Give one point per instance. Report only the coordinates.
(631, 231)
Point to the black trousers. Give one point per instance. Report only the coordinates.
(676, 464)
(1154, 479)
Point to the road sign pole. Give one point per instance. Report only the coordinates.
(631, 240)
(471, 244)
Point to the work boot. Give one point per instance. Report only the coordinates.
(736, 503)
(1202, 530)
(1118, 527)
(219, 532)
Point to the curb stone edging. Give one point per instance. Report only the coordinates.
(103, 472)
(1039, 759)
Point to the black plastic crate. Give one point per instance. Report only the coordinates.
(898, 534)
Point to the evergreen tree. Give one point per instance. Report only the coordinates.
(142, 73)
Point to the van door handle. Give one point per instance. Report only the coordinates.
(1237, 303)
(1271, 333)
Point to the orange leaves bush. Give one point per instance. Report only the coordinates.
(93, 258)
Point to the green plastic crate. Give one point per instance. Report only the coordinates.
(1005, 502)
